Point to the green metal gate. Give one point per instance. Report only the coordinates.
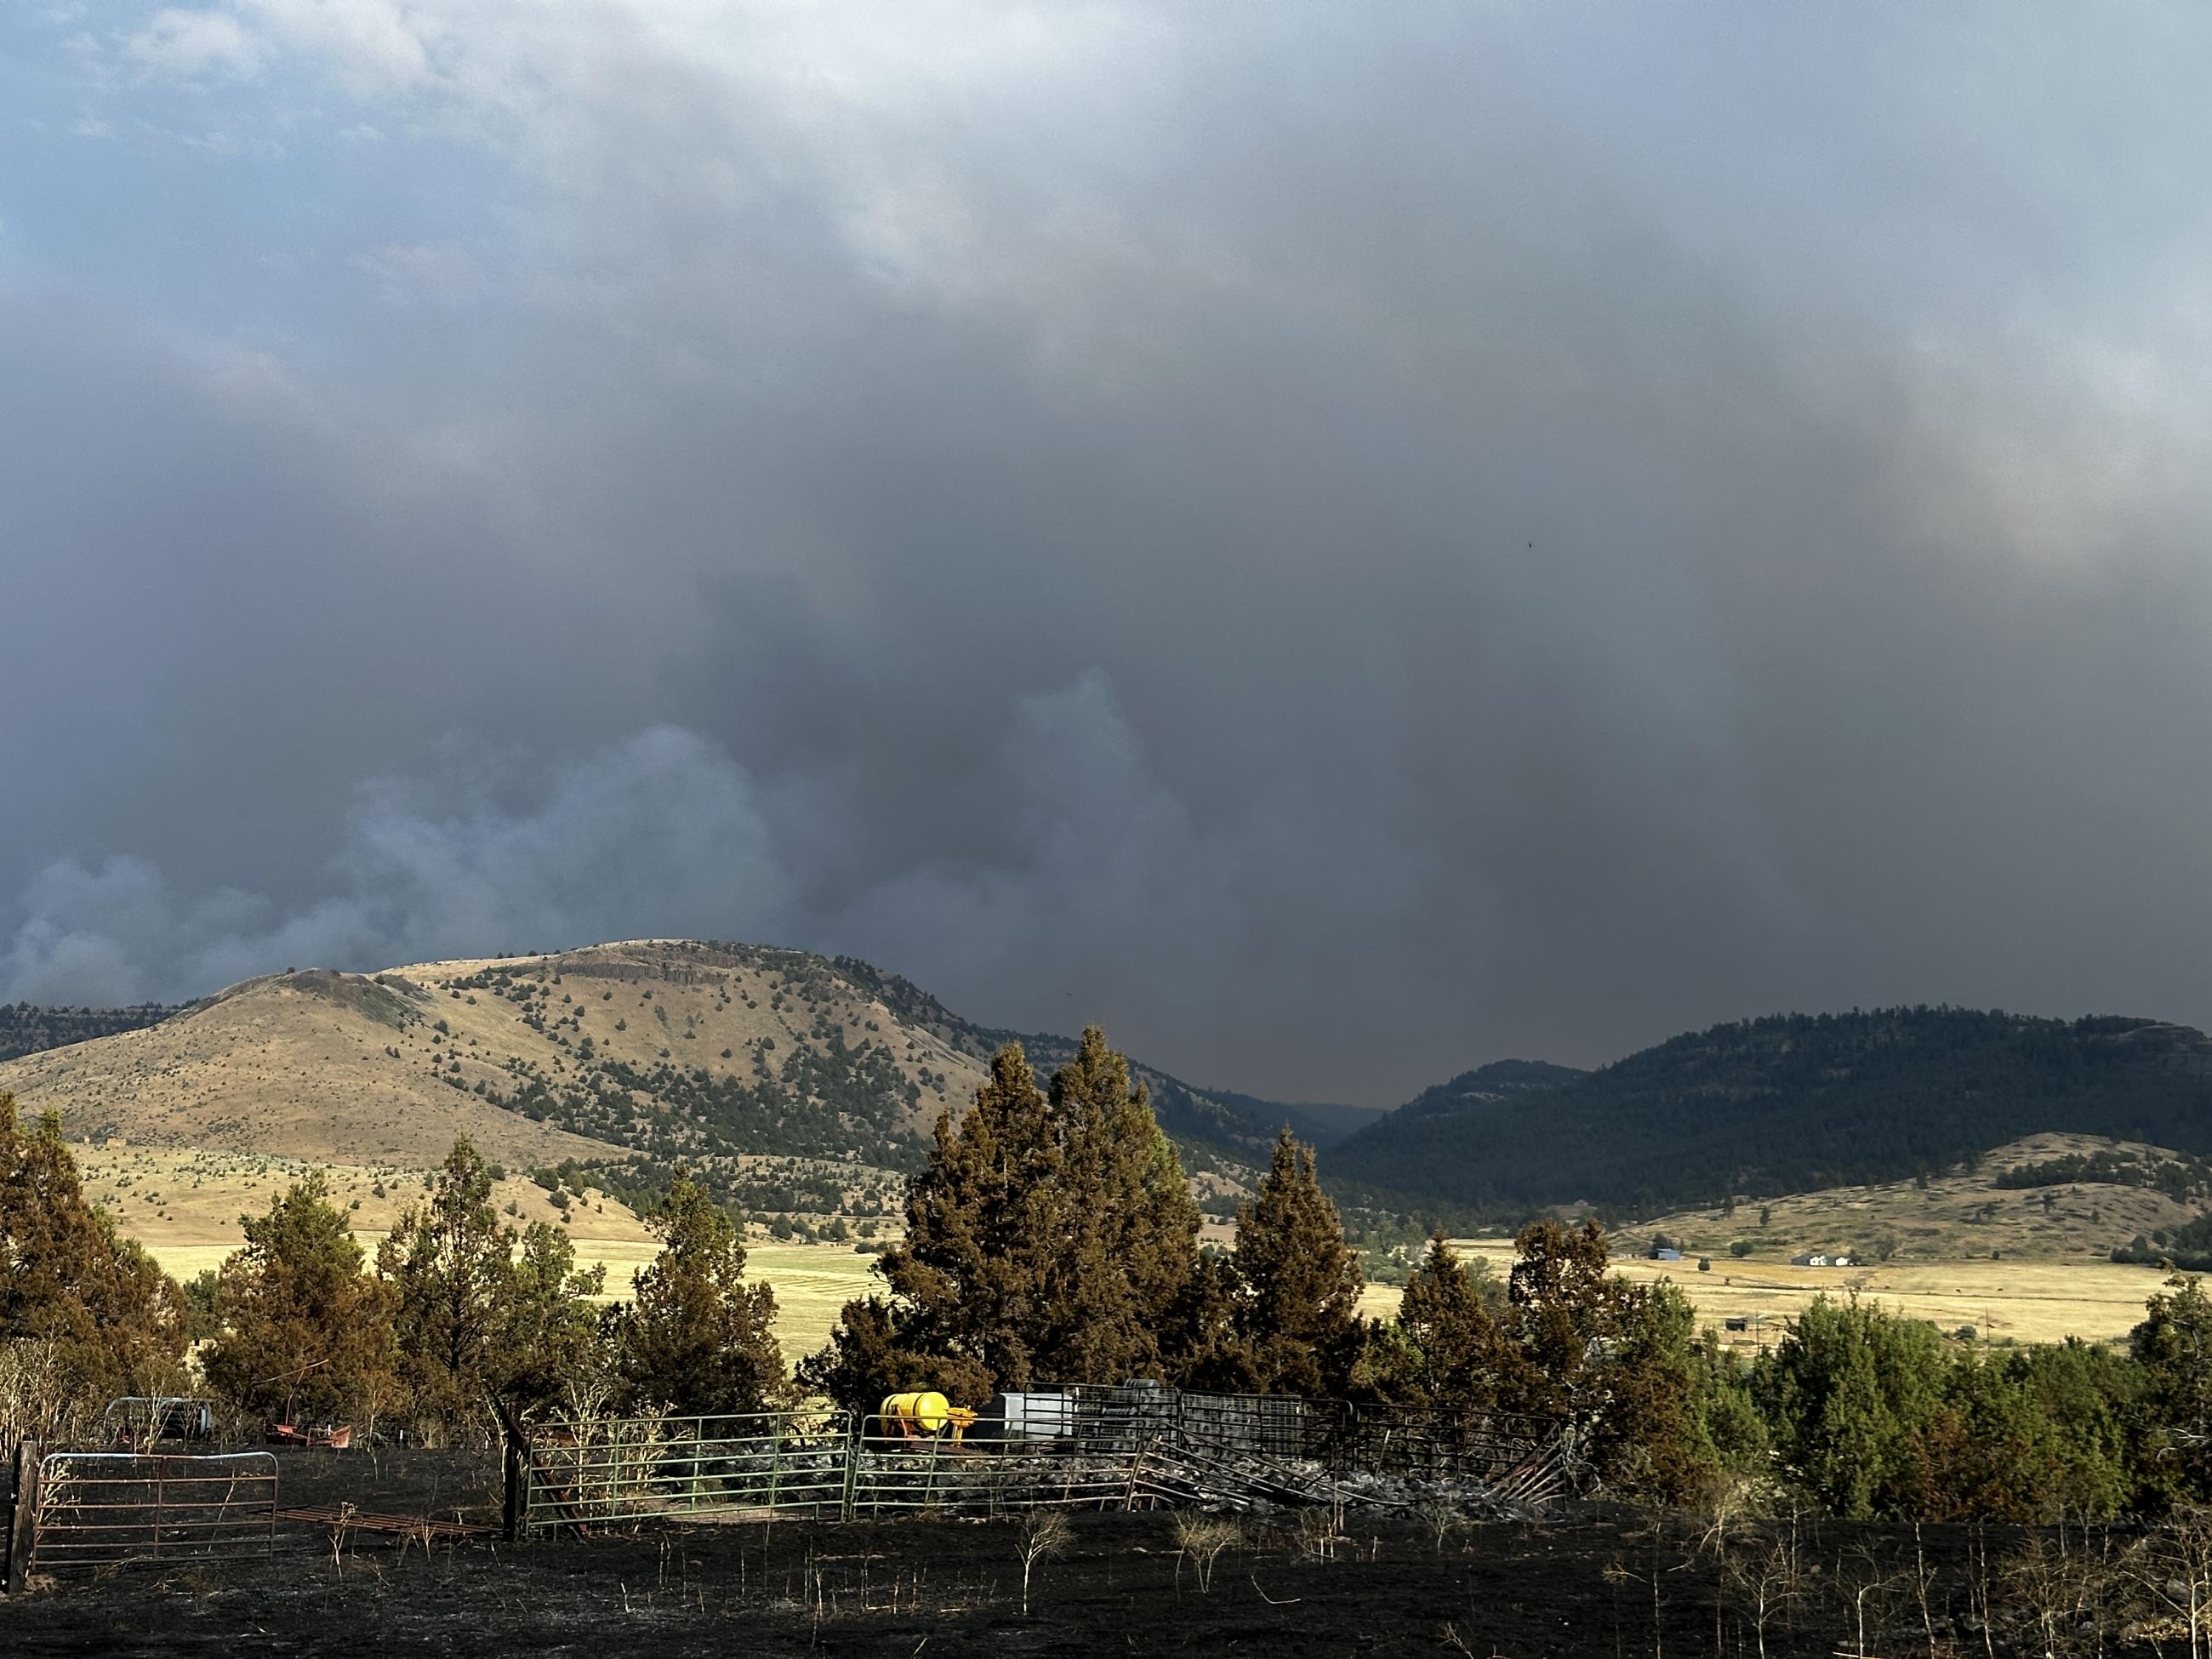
(607, 1471)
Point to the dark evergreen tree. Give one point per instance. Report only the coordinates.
(1455, 1345)
(1126, 1223)
(2172, 1351)
(548, 1351)
(1051, 1238)
(87, 1310)
(1563, 1308)
(450, 1263)
(698, 1340)
(307, 1333)
(1849, 1393)
(1298, 1308)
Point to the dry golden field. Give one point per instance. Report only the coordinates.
(2018, 1300)
(185, 1208)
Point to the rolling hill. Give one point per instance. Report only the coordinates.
(2047, 1197)
(795, 1081)
(1788, 1104)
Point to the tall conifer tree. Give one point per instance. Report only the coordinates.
(1453, 1330)
(451, 1264)
(1299, 1309)
(698, 1340)
(1051, 1238)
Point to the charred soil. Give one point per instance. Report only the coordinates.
(1291, 1583)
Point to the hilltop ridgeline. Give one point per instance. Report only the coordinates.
(28, 1028)
(715, 1055)
(1787, 1103)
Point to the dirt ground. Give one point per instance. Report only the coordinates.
(1286, 1588)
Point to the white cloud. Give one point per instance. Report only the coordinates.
(190, 44)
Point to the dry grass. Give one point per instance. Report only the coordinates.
(1951, 1217)
(314, 1066)
(812, 1282)
(1964, 1252)
(2015, 1301)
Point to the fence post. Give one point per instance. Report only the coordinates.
(775, 1464)
(856, 1448)
(516, 1496)
(24, 1533)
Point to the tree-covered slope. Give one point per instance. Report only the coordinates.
(28, 1028)
(1786, 1104)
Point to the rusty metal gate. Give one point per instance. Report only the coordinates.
(90, 1509)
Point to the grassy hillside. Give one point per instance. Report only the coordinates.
(1789, 1103)
(716, 1055)
(2000, 1209)
(797, 1083)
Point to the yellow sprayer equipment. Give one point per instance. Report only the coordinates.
(923, 1416)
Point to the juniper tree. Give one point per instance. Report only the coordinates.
(1448, 1316)
(1850, 1391)
(2172, 1349)
(697, 1339)
(1563, 1309)
(307, 1333)
(549, 1346)
(103, 1317)
(1052, 1237)
(1298, 1307)
(1125, 1222)
(450, 1263)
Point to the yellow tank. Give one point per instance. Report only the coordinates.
(924, 1413)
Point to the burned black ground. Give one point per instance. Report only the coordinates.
(1293, 1585)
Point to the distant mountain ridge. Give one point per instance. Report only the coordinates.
(1785, 1103)
(29, 1029)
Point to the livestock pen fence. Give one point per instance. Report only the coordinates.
(88, 1510)
(1089, 1447)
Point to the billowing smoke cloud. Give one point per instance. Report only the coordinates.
(657, 837)
(1343, 544)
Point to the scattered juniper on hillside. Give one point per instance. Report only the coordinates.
(28, 1028)
(1788, 1104)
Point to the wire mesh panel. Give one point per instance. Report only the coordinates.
(606, 1470)
(1436, 1442)
(893, 1474)
(109, 1509)
(1143, 1414)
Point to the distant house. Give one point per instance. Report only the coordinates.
(1665, 1253)
(1810, 1258)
